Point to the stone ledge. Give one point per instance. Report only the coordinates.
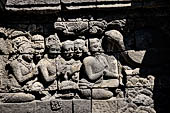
(65, 106)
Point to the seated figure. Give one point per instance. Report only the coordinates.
(49, 66)
(68, 82)
(23, 76)
(98, 73)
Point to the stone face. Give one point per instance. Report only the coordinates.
(54, 106)
(82, 106)
(104, 106)
(18, 107)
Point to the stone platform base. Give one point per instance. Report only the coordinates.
(63, 106)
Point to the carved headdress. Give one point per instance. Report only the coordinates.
(53, 40)
(37, 38)
(67, 42)
(80, 41)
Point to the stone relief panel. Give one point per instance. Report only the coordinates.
(54, 67)
(82, 59)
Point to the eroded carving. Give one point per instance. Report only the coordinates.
(98, 73)
(47, 69)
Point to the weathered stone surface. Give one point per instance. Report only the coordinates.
(16, 97)
(78, 4)
(112, 3)
(3, 73)
(76, 1)
(104, 106)
(97, 27)
(140, 99)
(136, 80)
(41, 6)
(18, 108)
(54, 106)
(62, 62)
(31, 2)
(82, 106)
(143, 100)
(72, 28)
(121, 103)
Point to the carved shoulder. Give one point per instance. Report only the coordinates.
(15, 64)
(88, 60)
(42, 62)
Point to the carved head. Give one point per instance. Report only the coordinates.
(68, 49)
(53, 44)
(38, 41)
(95, 45)
(28, 52)
(79, 46)
(38, 44)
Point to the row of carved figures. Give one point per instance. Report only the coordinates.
(69, 69)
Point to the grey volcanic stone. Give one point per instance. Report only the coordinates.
(121, 104)
(104, 106)
(29, 2)
(3, 73)
(143, 100)
(82, 106)
(54, 106)
(77, 1)
(18, 108)
(16, 97)
(78, 4)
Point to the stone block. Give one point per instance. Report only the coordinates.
(78, 4)
(37, 6)
(138, 80)
(121, 104)
(82, 106)
(140, 96)
(54, 106)
(77, 1)
(3, 73)
(31, 2)
(104, 106)
(18, 107)
(112, 3)
(72, 28)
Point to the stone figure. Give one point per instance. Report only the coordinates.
(19, 38)
(51, 65)
(67, 83)
(98, 72)
(39, 46)
(80, 49)
(23, 76)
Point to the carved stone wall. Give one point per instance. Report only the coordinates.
(91, 56)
